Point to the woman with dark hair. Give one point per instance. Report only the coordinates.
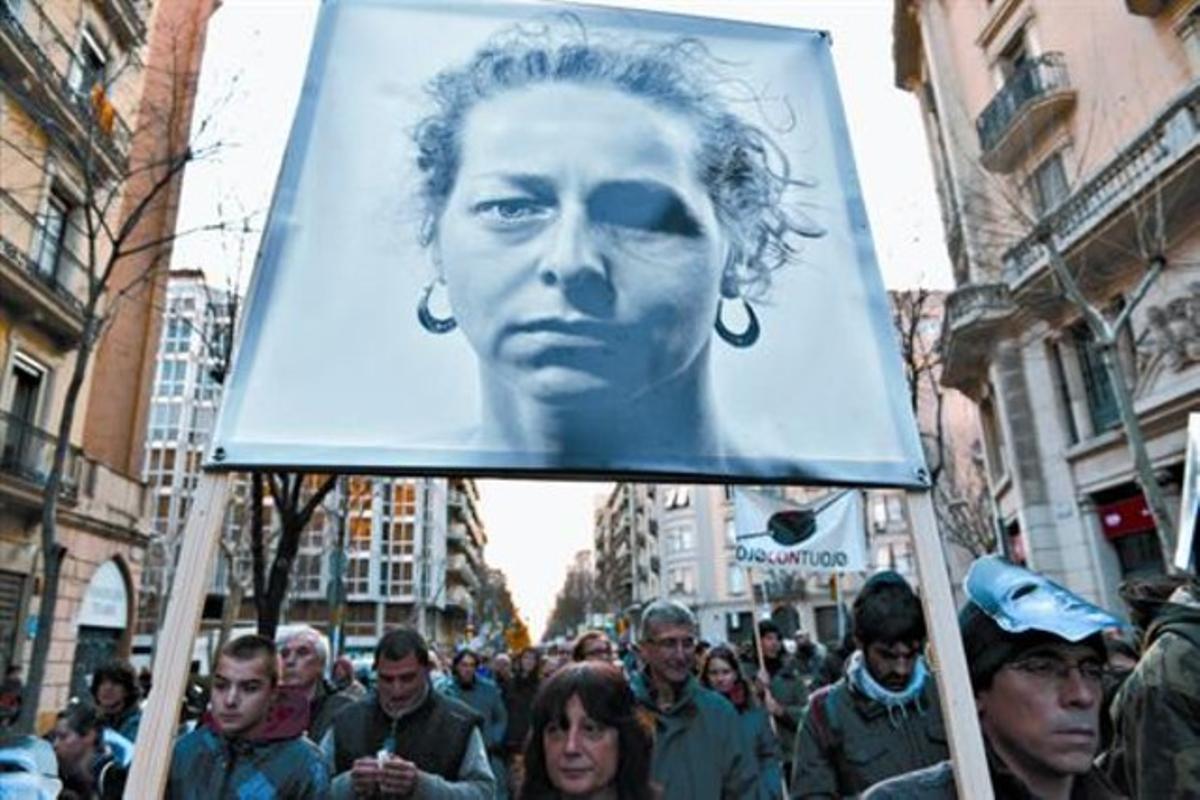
(591, 209)
(115, 692)
(719, 672)
(586, 739)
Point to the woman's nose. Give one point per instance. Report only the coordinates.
(572, 253)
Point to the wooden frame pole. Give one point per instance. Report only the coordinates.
(156, 735)
(953, 680)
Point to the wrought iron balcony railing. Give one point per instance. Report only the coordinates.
(1167, 142)
(76, 100)
(64, 275)
(28, 453)
(1037, 78)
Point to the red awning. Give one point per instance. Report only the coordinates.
(1125, 517)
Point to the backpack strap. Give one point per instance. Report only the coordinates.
(822, 708)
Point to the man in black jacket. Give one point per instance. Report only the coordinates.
(404, 737)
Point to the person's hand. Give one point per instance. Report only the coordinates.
(365, 775)
(763, 679)
(773, 706)
(399, 777)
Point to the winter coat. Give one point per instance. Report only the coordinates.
(937, 783)
(756, 727)
(484, 697)
(789, 690)
(1156, 715)
(699, 750)
(325, 705)
(848, 742)
(518, 700)
(281, 763)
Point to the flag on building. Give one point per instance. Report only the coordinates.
(774, 533)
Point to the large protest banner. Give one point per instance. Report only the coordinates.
(578, 240)
(536, 238)
(775, 533)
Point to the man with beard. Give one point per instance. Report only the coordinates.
(883, 717)
(406, 739)
(481, 694)
(249, 747)
(1035, 653)
(304, 654)
(699, 751)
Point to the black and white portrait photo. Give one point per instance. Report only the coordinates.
(539, 238)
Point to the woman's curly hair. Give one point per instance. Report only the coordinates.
(746, 174)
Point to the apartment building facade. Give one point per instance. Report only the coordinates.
(73, 92)
(1075, 125)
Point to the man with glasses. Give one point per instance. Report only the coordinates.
(699, 752)
(882, 718)
(1036, 655)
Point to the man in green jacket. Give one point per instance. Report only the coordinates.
(1156, 715)
(699, 750)
(882, 718)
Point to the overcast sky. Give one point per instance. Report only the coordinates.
(253, 67)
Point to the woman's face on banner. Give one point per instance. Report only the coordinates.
(580, 249)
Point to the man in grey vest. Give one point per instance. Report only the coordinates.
(404, 739)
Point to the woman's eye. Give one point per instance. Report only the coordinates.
(514, 209)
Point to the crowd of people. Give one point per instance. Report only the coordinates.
(1072, 703)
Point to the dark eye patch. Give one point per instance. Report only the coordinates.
(644, 206)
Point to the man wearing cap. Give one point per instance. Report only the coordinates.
(883, 717)
(1036, 654)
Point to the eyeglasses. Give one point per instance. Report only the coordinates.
(1049, 669)
(672, 643)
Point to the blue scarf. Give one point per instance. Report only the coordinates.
(896, 703)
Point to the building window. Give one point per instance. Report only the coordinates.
(1101, 399)
(1048, 185)
(681, 580)
(1058, 369)
(51, 235)
(680, 539)
(677, 497)
(993, 440)
(90, 69)
(164, 421)
(1188, 32)
(737, 579)
(172, 374)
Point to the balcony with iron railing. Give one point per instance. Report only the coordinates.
(1032, 100)
(29, 73)
(26, 456)
(1163, 153)
(49, 290)
(128, 17)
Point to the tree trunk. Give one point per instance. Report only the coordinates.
(52, 554)
(232, 610)
(1164, 522)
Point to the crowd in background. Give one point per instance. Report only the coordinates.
(1072, 703)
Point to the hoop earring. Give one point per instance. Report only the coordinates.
(747, 337)
(428, 321)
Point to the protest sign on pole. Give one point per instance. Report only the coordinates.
(727, 321)
(775, 533)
